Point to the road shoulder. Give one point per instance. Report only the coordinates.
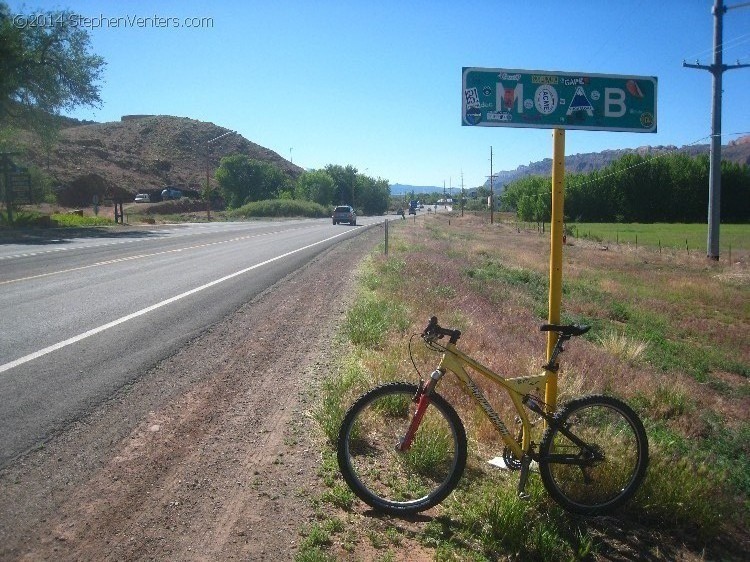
(212, 454)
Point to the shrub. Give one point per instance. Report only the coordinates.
(281, 208)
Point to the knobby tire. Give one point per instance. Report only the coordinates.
(394, 482)
(611, 429)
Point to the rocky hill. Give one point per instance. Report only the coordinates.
(139, 153)
(736, 151)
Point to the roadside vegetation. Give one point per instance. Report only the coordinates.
(244, 182)
(669, 336)
(33, 218)
(669, 188)
(280, 208)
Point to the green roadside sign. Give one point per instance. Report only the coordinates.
(498, 97)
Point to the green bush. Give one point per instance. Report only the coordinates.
(281, 208)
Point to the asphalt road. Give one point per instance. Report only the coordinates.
(86, 312)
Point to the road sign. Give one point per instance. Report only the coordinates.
(498, 97)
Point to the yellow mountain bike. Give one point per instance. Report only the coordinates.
(402, 447)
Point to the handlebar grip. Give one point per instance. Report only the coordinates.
(434, 329)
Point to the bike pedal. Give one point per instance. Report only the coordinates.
(524, 496)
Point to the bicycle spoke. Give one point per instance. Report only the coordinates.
(390, 479)
(608, 469)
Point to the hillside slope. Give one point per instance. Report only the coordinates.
(119, 159)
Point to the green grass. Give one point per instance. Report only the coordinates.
(370, 319)
(72, 220)
(734, 236)
(27, 219)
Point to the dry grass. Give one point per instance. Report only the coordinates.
(620, 345)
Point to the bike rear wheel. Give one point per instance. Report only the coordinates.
(391, 481)
(604, 473)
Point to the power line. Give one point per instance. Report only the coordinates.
(725, 46)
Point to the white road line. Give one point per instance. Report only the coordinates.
(140, 256)
(86, 246)
(102, 328)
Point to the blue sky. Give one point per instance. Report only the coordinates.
(377, 84)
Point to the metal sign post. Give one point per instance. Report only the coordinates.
(555, 255)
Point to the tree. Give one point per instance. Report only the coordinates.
(243, 180)
(317, 186)
(372, 195)
(46, 67)
(344, 179)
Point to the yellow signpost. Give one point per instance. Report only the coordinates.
(555, 255)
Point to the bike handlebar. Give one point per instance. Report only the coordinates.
(434, 330)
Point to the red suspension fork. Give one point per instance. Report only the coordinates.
(406, 441)
(423, 400)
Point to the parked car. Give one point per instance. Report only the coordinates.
(171, 193)
(143, 198)
(344, 213)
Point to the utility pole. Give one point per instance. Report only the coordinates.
(714, 181)
(492, 194)
(462, 193)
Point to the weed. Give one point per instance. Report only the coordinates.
(340, 496)
(316, 536)
(664, 402)
(622, 346)
(680, 491)
(393, 535)
(313, 554)
(73, 220)
(371, 318)
(376, 539)
(331, 409)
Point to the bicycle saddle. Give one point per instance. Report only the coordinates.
(570, 330)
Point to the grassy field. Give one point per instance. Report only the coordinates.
(682, 237)
(669, 336)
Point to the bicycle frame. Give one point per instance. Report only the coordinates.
(454, 360)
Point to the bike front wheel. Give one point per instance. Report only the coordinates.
(391, 481)
(594, 457)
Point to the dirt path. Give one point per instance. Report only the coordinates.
(211, 455)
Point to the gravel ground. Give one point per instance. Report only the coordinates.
(211, 455)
